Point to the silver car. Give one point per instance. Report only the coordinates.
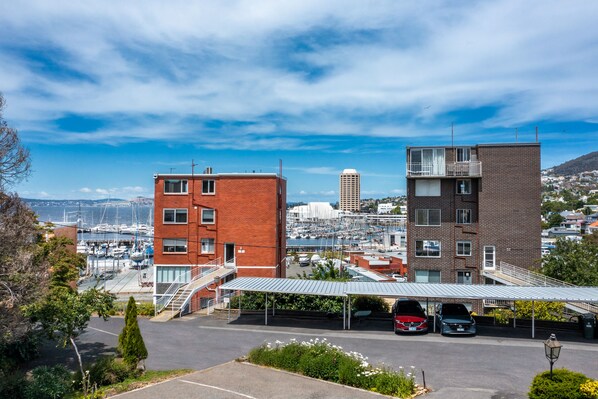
(454, 319)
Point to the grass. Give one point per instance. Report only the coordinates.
(147, 378)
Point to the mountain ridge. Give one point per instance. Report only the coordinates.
(584, 163)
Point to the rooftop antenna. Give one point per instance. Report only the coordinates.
(516, 133)
(536, 134)
(280, 167)
(172, 169)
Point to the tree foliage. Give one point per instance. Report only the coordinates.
(15, 163)
(573, 262)
(130, 341)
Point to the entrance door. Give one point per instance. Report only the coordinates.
(490, 257)
(229, 254)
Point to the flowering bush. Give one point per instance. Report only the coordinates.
(590, 389)
(323, 360)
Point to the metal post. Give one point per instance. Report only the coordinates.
(349, 321)
(533, 321)
(266, 311)
(514, 315)
(344, 313)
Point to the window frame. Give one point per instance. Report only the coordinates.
(418, 271)
(174, 245)
(181, 181)
(463, 274)
(208, 191)
(462, 151)
(208, 241)
(427, 252)
(176, 211)
(466, 185)
(463, 243)
(213, 215)
(427, 217)
(460, 216)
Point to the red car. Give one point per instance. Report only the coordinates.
(408, 316)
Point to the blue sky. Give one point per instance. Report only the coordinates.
(106, 93)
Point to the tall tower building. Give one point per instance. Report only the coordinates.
(350, 191)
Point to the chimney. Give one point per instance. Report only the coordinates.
(208, 171)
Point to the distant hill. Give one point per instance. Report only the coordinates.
(584, 163)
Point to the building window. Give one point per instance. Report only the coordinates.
(464, 277)
(207, 246)
(427, 188)
(427, 161)
(208, 186)
(463, 216)
(427, 276)
(427, 248)
(463, 248)
(175, 216)
(174, 245)
(427, 217)
(175, 186)
(170, 274)
(463, 154)
(464, 186)
(208, 216)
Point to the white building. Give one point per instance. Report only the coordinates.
(313, 211)
(385, 208)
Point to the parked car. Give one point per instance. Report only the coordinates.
(408, 316)
(304, 260)
(454, 319)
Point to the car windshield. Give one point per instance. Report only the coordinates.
(454, 309)
(409, 308)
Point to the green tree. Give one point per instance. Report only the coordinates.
(573, 262)
(327, 271)
(63, 315)
(396, 210)
(555, 220)
(130, 340)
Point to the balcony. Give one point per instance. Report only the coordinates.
(453, 169)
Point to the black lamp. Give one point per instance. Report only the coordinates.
(552, 350)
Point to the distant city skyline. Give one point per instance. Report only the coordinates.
(106, 94)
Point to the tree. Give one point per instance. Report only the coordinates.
(24, 273)
(15, 164)
(396, 210)
(555, 220)
(64, 314)
(573, 262)
(130, 340)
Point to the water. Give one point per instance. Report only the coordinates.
(94, 215)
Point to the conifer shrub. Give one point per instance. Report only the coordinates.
(131, 344)
(563, 384)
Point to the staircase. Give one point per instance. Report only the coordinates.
(513, 275)
(180, 293)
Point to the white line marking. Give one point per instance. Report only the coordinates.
(218, 388)
(104, 331)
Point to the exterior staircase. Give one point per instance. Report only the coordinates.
(508, 274)
(179, 294)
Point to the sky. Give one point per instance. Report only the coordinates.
(107, 93)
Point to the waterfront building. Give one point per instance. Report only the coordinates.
(313, 211)
(470, 208)
(350, 191)
(385, 208)
(233, 220)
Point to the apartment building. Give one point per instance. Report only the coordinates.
(471, 207)
(227, 219)
(350, 191)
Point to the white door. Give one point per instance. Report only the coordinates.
(489, 257)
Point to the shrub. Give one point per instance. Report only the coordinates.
(564, 384)
(373, 303)
(12, 385)
(49, 383)
(589, 389)
(130, 341)
(146, 309)
(107, 371)
(320, 359)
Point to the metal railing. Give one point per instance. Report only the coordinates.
(531, 278)
(185, 279)
(212, 303)
(451, 169)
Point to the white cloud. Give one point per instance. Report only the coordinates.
(85, 190)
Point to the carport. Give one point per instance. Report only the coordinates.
(411, 290)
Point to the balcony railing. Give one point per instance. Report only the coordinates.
(453, 169)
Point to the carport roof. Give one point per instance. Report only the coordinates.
(415, 290)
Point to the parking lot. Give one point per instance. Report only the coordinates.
(498, 361)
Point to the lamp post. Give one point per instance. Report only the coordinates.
(552, 350)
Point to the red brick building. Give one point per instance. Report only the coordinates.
(234, 220)
(470, 208)
(379, 263)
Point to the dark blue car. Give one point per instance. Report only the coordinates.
(454, 319)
